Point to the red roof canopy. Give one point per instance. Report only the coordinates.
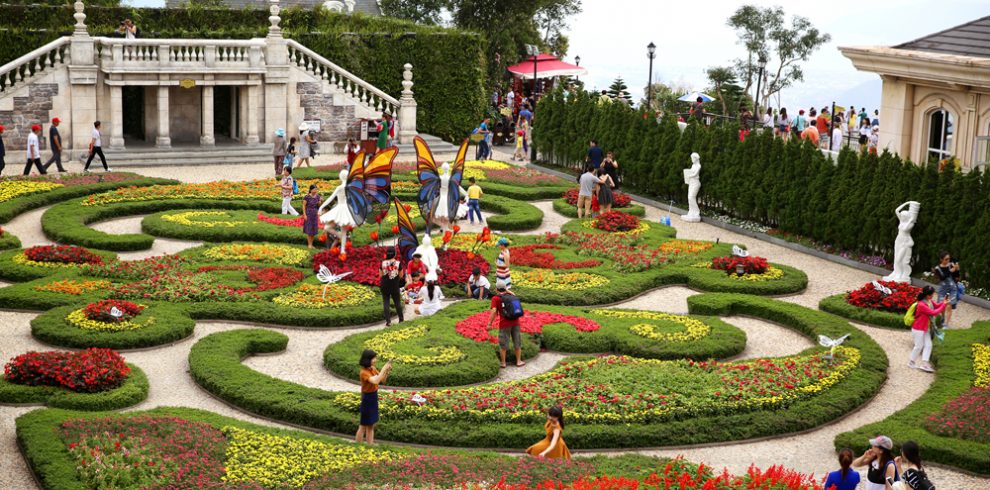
(547, 66)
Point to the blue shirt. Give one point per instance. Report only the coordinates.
(595, 156)
(835, 478)
(526, 114)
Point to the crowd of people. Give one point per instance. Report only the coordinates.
(515, 119)
(820, 127)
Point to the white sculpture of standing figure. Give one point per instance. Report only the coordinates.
(692, 179)
(903, 244)
(339, 217)
(428, 254)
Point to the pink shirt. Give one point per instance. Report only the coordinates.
(923, 314)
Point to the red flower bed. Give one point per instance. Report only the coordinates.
(619, 199)
(965, 417)
(751, 265)
(475, 327)
(62, 254)
(264, 278)
(135, 270)
(528, 256)
(365, 261)
(616, 221)
(901, 298)
(100, 311)
(87, 371)
(292, 222)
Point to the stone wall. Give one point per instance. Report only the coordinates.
(35, 108)
(337, 122)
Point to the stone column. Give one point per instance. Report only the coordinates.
(407, 108)
(275, 88)
(897, 110)
(116, 117)
(82, 85)
(207, 138)
(252, 114)
(163, 140)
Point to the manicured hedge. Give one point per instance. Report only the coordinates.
(480, 362)
(215, 364)
(171, 324)
(9, 241)
(13, 207)
(954, 376)
(837, 305)
(133, 391)
(12, 271)
(563, 207)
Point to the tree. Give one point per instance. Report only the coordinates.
(619, 91)
(552, 20)
(721, 76)
(762, 31)
(665, 96)
(421, 11)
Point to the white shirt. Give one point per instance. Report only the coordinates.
(510, 97)
(836, 139)
(482, 282)
(767, 121)
(32, 147)
(97, 138)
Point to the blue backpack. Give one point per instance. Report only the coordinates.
(295, 186)
(511, 307)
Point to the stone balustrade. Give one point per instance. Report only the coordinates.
(34, 63)
(341, 79)
(180, 54)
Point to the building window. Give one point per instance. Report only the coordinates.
(941, 127)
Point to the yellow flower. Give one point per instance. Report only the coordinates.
(10, 189)
(337, 296)
(383, 345)
(74, 287)
(23, 260)
(267, 189)
(684, 247)
(772, 274)
(467, 241)
(642, 227)
(258, 252)
(548, 279)
(693, 329)
(189, 218)
(981, 365)
(78, 319)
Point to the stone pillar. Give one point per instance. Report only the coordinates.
(897, 111)
(82, 84)
(407, 108)
(163, 140)
(252, 114)
(275, 88)
(207, 138)
(116, 117)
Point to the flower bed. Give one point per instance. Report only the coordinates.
(10, 189)
(88, 371)
(968, 415)
(475, 327)
(263, 278)
(74, 287)
(902, 297)
(258, 252)
(619, 199)
(133, 270)
(99, 316)
(203, 219)
(616, 221)
(626, 255)
(219, 190)
(730, 264)
(550, 280)
(527, 255)
(363, 264)
(694, 329)
(156, 324)
(383, 344)
(57, 256)
(312, 296)
(178, 286)
(612, 223)
(981, 365)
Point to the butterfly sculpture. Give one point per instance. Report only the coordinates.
(115, 312)
(378, 175)
(832, 344)
(433, 185)
(406, 242)
(327, 277)
(739, 252)
(884, 290)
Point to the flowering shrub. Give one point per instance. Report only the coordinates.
(10, 189)
(548, 279)
(383, 345)
(74, 287)
(264, 278)
(475, 327)
(79, 319)
(57, 256)
(266, 189)
(258, 252)
(469, 241)
(898, 301)
(619, 199)
(87, 371)
(337, 296)
(289, 462)
(616, 221)
(626, 256)
(981, 365)
(751, 264)
(621, 390)
(296, 222)
(684, 247)
(101, 310)
(134, 270)
(178, 286)
(528, 256)
(364, 262)
(195, 219)
(693, 329)
(772, 274)
(965, 417)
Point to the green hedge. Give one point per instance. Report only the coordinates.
(837, 305)
(13, 207)
(215, 364)
(955, 375)
(171, 324)
(563, 207)
(480, 362)
(133, 391)
(12, 271)
(9, 241)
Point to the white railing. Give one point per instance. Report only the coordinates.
(342, 79)
(34, 63)
(194, 54)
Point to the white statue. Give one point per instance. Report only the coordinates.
(428, 255)
(339, 217)
(907, 214)
(691, 178)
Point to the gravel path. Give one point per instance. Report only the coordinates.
(27, 227)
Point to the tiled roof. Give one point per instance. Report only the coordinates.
(969, 39)
(364, 6)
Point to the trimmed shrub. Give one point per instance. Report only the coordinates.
(133, 391)
(171, 323)
(837, 305)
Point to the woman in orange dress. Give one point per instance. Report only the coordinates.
(553, 445)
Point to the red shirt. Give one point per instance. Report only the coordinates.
(503, 322)
(413, 267)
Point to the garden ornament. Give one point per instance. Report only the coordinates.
(739, 252)
(884, 290)
(327, 277)
(907, 215)
(693, 181)
(832, 344)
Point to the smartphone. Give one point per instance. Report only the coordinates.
(890, 481)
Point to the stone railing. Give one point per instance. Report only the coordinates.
(341, 79)
(35, 63)
(179, 54)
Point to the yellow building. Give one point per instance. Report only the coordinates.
(936, 93)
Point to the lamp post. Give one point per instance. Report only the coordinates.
(577, 61)
(651, 52)
(762, 65)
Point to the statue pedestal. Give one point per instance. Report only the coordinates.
(688, 218)
(897, 278)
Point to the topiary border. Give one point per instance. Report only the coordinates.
(12, 271)
(215, 364)
(837, 305)
(9, 241)
(954, 359)
(171, 324)
(480, 362)
(562, 207)
(133, 391)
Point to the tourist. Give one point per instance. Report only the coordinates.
(880, 463)
(611, 167)
(524, 124)
(508, 325)
(604, 98)
(863, 116)
(3, 151)
(851, 119)
(876, 118)
(844, 478)
(279, 150)
(595, 156)
(96, 148)
(286, 185)
(909, 465)
(520, 153)
(745, 121)
(510, 100)
(352, 149)
(836, 139)
(474, 194)
(698, 109)
(864, 134)
(552, 446)
(822, 124)
(370, 379)
(604, 190)
(415, 270)
(55, 143)
(477, 285)
(502, 263)
(768, 119)
(800, 122)
(783, 123)
(587, 181)
(33, 151)
(947, 273)
(305, 145)
(495, 99)
(390, 285)
(811, 134)
(484, 152)
(431, 296)
(311, 214)
(925, 310)
(127, 29)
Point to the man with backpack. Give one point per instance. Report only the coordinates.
(508, 309)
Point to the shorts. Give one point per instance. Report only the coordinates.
(503, 337)
(950, 289)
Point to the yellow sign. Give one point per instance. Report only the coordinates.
(187, 83)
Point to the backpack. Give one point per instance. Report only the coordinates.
(920, 480)
(511, 307)
(909, 316)
(295, 187)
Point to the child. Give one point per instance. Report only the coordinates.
(462, 208)
(474, 194)
(874, 139)
(411, 293)
(290, 153)
(520, 137)
(352, 150)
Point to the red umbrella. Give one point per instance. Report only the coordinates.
(547, 66)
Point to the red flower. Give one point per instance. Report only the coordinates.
(616, 221)
(901, 298)
(751, 264)
(63, 254)
(364, 262)
(88, 371)
(100, 311)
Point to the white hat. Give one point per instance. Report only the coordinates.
(303, 127)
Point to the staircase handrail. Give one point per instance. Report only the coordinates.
(40, 53)
(342, 72)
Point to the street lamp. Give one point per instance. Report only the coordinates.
(763, 66)
(651, 50)
(577, 61)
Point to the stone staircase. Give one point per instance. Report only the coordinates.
(227, 154)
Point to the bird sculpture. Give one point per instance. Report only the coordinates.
(739, 252)
(831, 344)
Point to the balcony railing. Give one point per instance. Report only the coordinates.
(180, 54)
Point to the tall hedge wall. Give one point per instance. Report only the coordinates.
(449, 66)
(793, 187)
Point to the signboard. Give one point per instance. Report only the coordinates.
(313, 125)
(187, 83)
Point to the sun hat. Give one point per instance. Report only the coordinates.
(500, 284)
(882, 441)
(280, 132)
(303, 127)
(56, 120)
(417, 254)
(503, 241)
